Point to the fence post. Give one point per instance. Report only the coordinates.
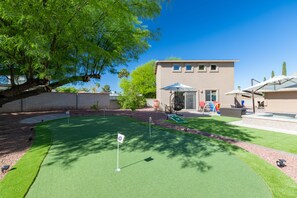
(22, 105)
(76, 101)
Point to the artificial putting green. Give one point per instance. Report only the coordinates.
(82, 163)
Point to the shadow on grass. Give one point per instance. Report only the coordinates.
(90, 135)
(220, 127)
(137, 162)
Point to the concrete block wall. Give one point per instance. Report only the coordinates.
(50, 101)
(114, 104)
(57, 101)
(86, 100)
(14, 106)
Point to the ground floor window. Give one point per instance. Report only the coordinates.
(211, 95)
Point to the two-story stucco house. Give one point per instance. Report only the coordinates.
(210, 80)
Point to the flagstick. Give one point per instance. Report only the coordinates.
(118, 156)
(150, 126)
(68, 118)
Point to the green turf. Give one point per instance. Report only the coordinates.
(280, 184)
(82, 162)
(18, 180)
(218, 125)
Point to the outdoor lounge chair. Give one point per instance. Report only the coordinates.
(260, 105)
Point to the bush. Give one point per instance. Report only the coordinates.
(132, 101)
(95, 106)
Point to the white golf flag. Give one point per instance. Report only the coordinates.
(121, 138)
(67, 112)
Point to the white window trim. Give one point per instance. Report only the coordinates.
(214, 71)
(202, 71)
(189, 71)
(176, 71)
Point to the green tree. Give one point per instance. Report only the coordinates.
(67, 89)
(106, 88)
(272, 74)
(264, 79)
(173, 58)
(144, 78)
(130, 97)
(52, 43)
(284, 69)
(84, 89)
(95, 88)
(124, 73)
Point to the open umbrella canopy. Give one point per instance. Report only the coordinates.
(274, 83)
(236, 92)
(178, 87)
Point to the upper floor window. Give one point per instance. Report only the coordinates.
(176, 68)
(201, 68)
(214, 68)
(189, 68)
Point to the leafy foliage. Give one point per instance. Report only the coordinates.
(141, 85)
(173, 58)
(131, 98)
(284, 69)
(272, 74)
(106, 88)
(144, 78)
(67, 89)
(124, 73)
(52, 43)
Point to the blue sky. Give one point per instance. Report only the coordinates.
(260, 33)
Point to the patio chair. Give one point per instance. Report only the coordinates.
(260, 105)
(237, 104)
(168, 109)
(201, 105)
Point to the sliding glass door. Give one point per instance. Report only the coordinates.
(190, 100)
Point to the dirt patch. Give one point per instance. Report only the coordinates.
(14, 137)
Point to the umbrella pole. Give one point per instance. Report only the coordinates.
(253, 99)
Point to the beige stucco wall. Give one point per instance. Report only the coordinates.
(283, 102)
(221, 80)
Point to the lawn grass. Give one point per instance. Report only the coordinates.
(18, 180)
(219, 125)
(82, 162)
(280, 184)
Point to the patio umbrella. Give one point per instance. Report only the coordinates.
(236, 92)
(274, 83)
(239, 92)
(178, 87)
